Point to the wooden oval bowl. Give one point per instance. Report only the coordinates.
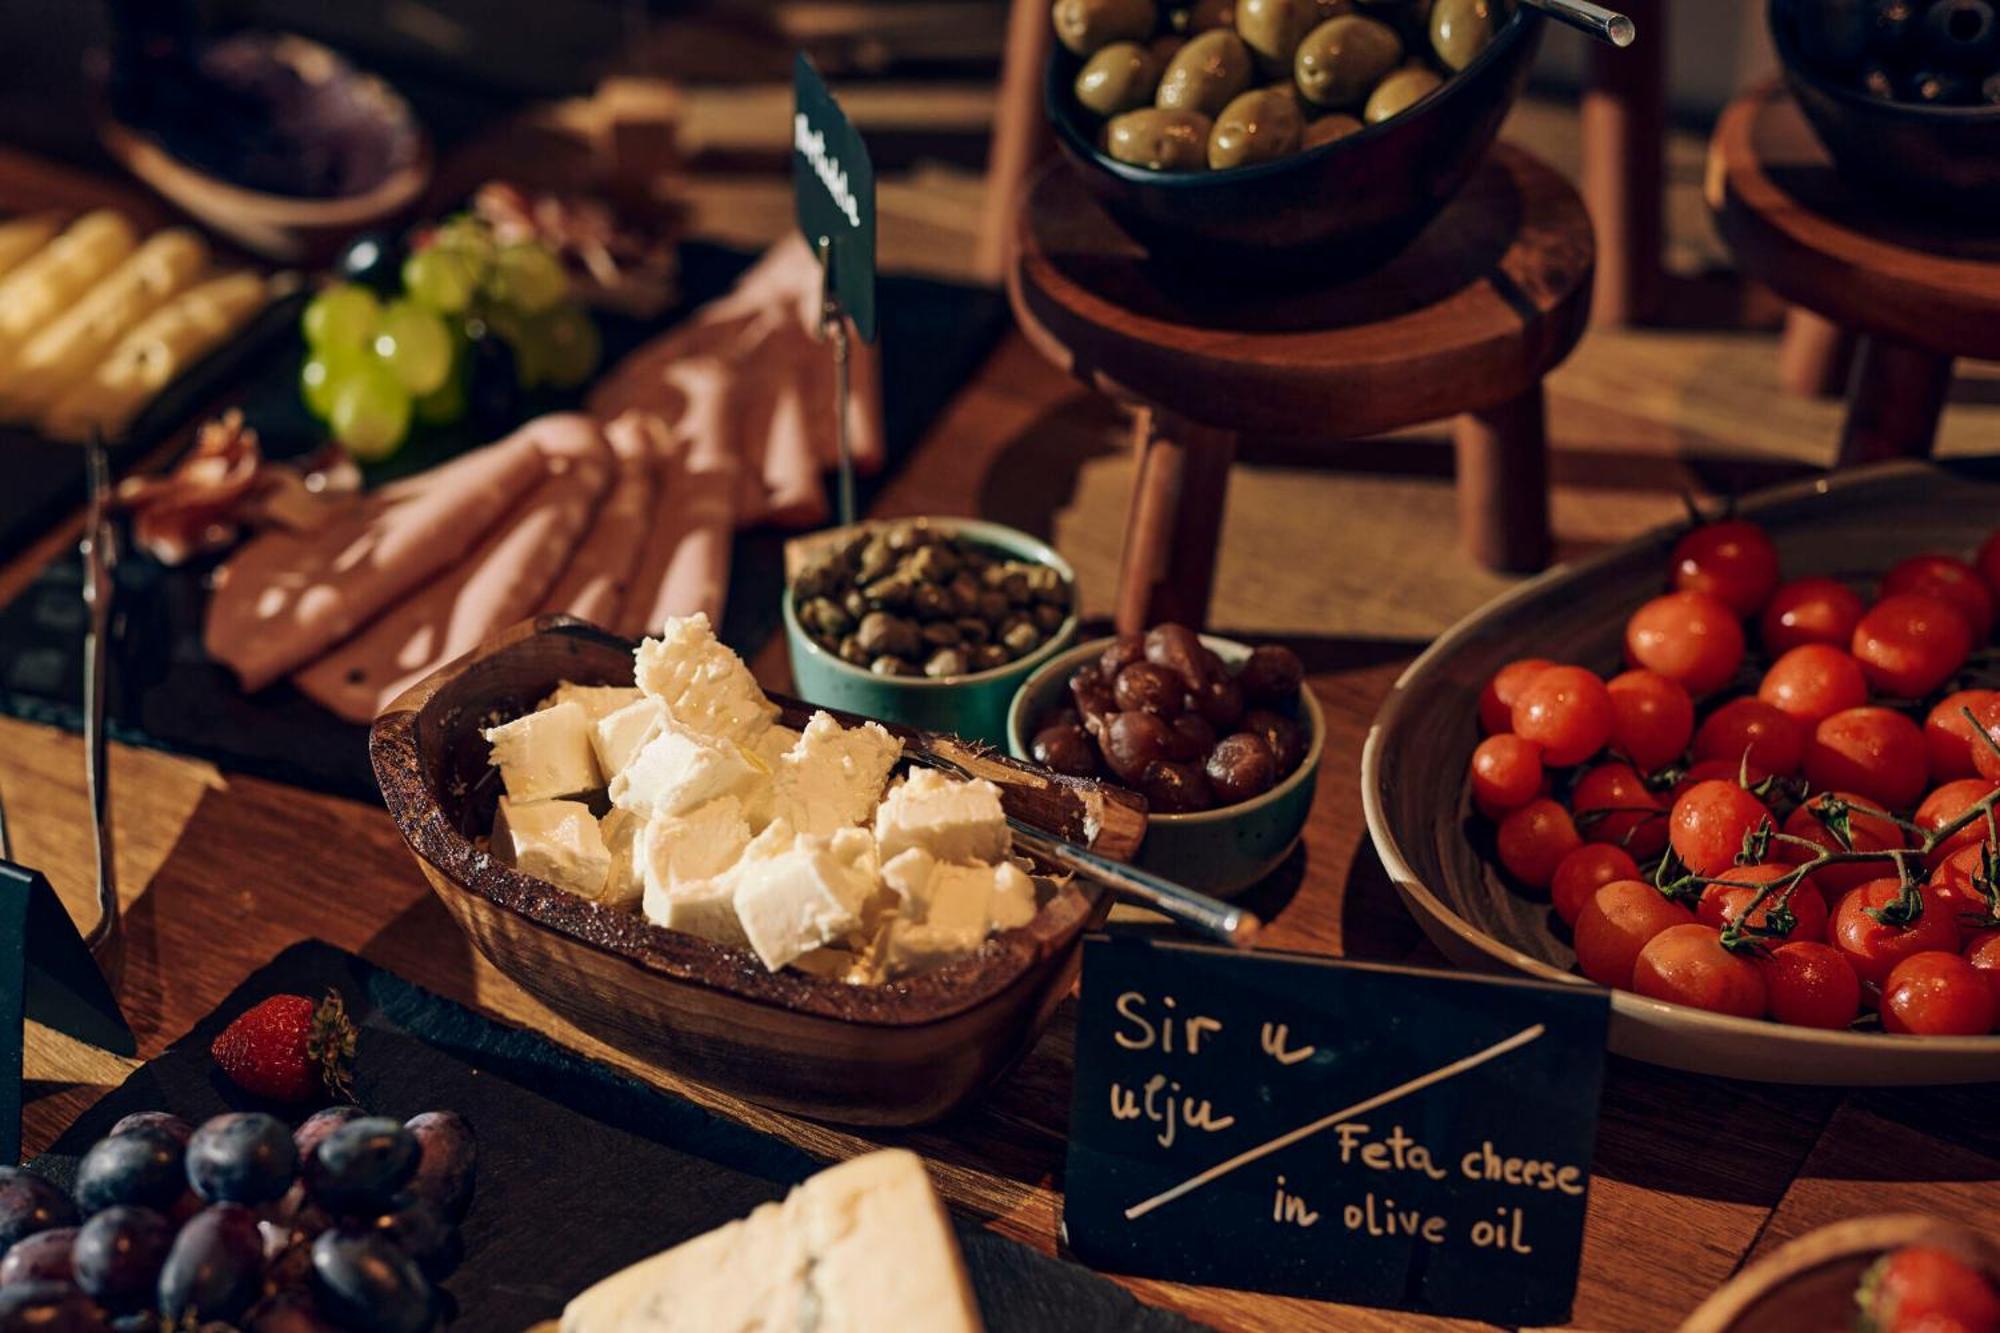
(1808, 1283)
(903, 1053)
(1420, 816)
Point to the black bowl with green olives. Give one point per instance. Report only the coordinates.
(931, 622)
(1905, 94)
(1274, 136)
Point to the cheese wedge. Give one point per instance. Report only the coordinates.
(43, 285)
(859, 1248)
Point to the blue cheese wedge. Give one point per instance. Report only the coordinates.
(704, 685)
(832, 778)
(680, 770)
(558, 841)
(545, 754)
(816, 893)
(863, 1247)
(950, 819)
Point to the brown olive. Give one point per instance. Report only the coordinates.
(1342, 59)
(1066, 750)
(889, 666)
(1461, 29)
(1088, 26)
(1221, 702)
(1272, 28)
(1121, 77)
(1196, 733)
(1240, 767)
(1204, 75)
(1179, 649)
(1336, 125)
(1122, 652)
(1132, 741)
(1175, 789)
(1399, 92)
(1147, 687)
(1285, 737)
(1203, 15)
(1272, 675)
(1256, 126)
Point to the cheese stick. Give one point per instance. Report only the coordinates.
(22, 237)
(57, 274)
(148, 358)
(70, 347)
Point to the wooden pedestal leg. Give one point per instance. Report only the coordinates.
(1020, 131)
(1624, 165)
(1175, 523)
(1894, 402)
(1815, 355)
(1503, 484)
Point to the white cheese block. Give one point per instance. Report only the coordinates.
(621, 830)
(545, 754)
(704, 907)
(680, 770)
(1013, 903)
(596, 701)
(702, 844)
(863, 1247)
(704, 685)
(950, 819)
(814, 894)
(557, 841)
(833, 777)
(908, 875)
(776, 741)
(620, 734)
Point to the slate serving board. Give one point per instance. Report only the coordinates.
(165, 693)
(582, 1171)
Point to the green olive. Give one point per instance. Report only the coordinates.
(1203, 16)
(1399, 92)
(1272, 28)
(1255, 127)
(1461, 29)
(1205, 74)
(1088, 26)
(1328, 128)
(1122, 76)
(1343, 58)
(1159, 138)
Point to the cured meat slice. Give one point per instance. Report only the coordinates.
(598, 579)
(286, 597)
(501, 580)
(684, 567)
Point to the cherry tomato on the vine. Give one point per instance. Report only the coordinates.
(1814, 610)
(1534, 839)
(1496, 701)
(1950, 738)
(1948, 580)
(1948, 803)
(1985, 737)
(1875, 752)
(1774, 740)
(1688, 965)
(1716, 770)
(1732, 561)
(1937, 994)
(1724, 904)
(1708, 825)
(1923, 1289)
(1617, 923)
(1690, 637)
(1957, 889)
(1909, 643)
(1583, 872)
(1869, 829)
(1988, 563)
(1810, 984)
(1652, 718)
(1567, 711)
(1634, 817)
(1874, 947)
(1506, 772)
(1813, 682)
(1983, 952)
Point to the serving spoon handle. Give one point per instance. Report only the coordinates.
(1220, 921)
(1605, 25)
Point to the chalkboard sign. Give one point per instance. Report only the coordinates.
(833, 189)
(1366, 1134)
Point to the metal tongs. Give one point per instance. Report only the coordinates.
(1604, 24)
(99, 549)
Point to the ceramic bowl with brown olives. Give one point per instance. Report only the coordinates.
(1221, 738)
(932, 622)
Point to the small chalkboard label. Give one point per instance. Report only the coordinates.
(1359, 1133)
(48, 975)
(833, 188)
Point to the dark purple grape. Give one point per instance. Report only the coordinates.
(1066, 750)
(119, 1254)
(448, 1159)
(1271, 675)
(288, 1267)
(42, 1257)
(314, 1129)
(287, 1312)
(242, 1157)
(1241, 767)
(160, 1120)
(31, 1203)
(364, 1282)
(1285, 737)
(1132, 741)
(49, 1307)
(1148, 687)
(141, 1167)
(216, 1266)
(422, 1231)
(1176, 789)
(1120, 653)
(358, 1168)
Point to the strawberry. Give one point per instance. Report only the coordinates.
(288, 1048)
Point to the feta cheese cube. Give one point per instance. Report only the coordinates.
(809, 896)
(620, 830)
(596, 701)
(1013, 903)
(704, 907)
(705, 686)
(914, 948)
(620, 734)
(832, 778)
(702, 844)
(553, 840)
(908, 875)
(679, 770)
(952, 820)
(545, 754)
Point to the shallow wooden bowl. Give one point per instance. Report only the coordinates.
(899, 1054)
(1808, 1284)
(1430, 840)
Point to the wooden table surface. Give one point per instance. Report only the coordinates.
(1692, 1175)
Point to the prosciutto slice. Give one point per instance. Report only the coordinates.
(286, 597)
(684, 567)
(598, 580)
(503, 579)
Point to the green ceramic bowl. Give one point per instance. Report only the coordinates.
(1221, 852)
(971, 706)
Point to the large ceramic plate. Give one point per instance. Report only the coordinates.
(1419, 815)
